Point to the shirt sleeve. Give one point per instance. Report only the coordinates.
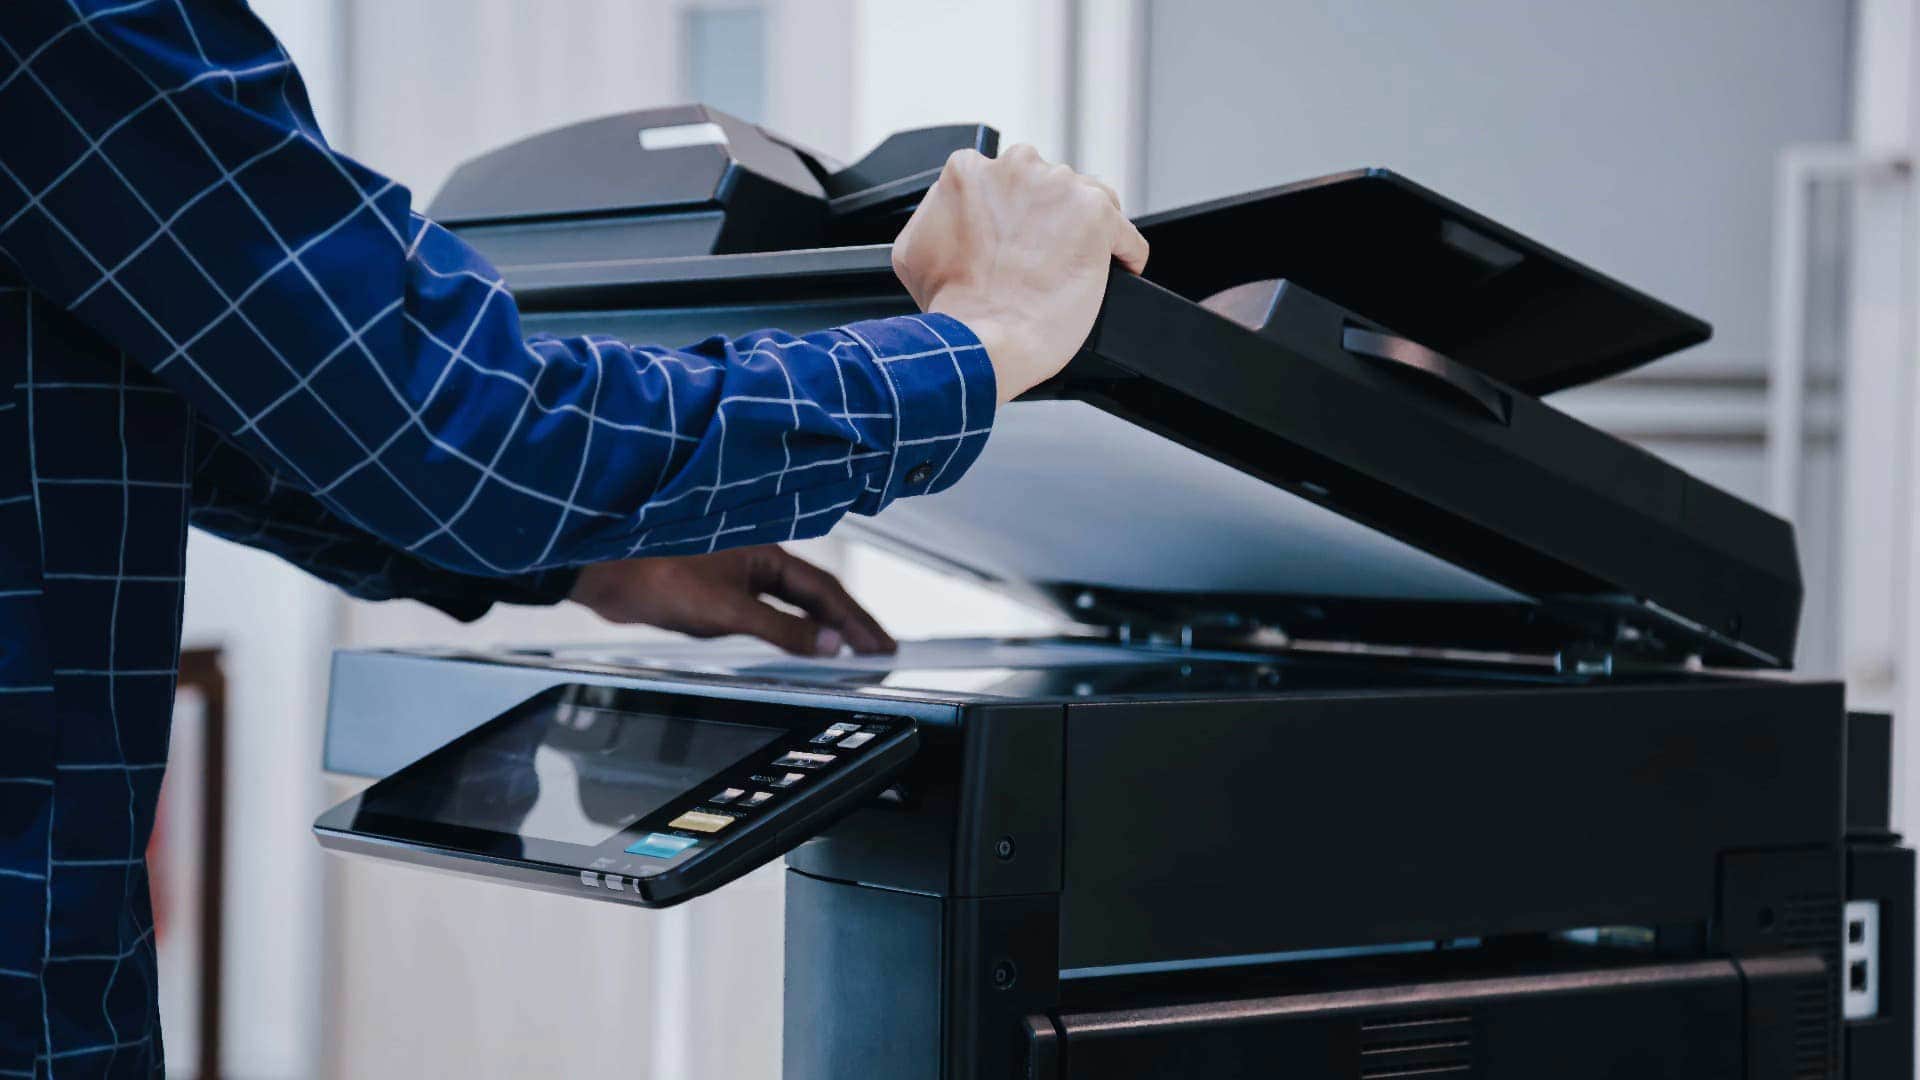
(161, 176)
(236, 497)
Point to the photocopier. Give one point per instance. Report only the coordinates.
(1408, 728)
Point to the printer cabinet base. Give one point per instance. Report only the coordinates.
(902, 985)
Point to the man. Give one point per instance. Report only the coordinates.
(208, 316)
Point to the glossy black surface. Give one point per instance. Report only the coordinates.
(566, 772)
(1427, 267)
(644, 797)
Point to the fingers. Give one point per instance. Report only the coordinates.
(1112, 195)
(1023, 154)
(1129, 247)
(961, 164)
(797, 635)
(821, 595)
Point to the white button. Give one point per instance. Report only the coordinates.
(615, 882)
(722, 798)
(856, 740)
(588, 877)
(759, 797)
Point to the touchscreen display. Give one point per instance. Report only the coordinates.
(568, 773)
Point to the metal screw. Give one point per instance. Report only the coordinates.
(1003, 847)
(1005, 975)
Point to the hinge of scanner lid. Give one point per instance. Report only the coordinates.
(1584, 659)
(1589, 658)
(1232, 634)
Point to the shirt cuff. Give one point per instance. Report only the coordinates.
(539, 589)
(943, 396)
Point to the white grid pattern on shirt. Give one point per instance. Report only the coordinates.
(109, 277)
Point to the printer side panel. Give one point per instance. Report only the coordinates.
(1876, 966)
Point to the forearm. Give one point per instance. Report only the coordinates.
(377, 362)
(236, 498)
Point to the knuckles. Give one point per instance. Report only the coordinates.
(962, 163)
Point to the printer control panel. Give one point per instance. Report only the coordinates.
(732, 803)
(628, 795)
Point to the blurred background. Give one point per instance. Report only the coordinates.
(1746, 160)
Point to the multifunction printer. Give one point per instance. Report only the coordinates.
(1405, 727)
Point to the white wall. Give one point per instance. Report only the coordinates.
(1638, 135)
(942, 61)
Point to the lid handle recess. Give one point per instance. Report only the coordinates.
(1461, 382)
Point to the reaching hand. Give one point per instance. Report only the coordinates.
(1017, 249)
(713, 595)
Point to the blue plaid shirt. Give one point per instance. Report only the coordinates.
(208, 316)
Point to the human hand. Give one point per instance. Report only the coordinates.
(1017, 249)
(713, 595)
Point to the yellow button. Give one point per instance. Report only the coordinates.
(700, 821)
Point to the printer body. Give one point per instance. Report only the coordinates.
(1406, 726)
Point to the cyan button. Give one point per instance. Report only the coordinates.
(660, 845)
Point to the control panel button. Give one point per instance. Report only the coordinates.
(835, 732)
(759, 798)
(804, 759)
(588, 877)
(779, 780)
(855, 741)
(722, 798)
(701, 821)
(660, 845)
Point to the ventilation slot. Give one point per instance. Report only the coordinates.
(1812, 1031)
(1417, 1048)
(1812, 922)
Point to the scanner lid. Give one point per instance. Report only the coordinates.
(1454, 280)
(1316, 414)
(1254, 436)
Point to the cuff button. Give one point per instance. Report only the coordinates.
(920, 474)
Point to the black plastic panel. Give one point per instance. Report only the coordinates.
(1285, 824)
(863, 982)
(1881, 1047)
(1427, 267)
(1869, 775)
(1601, 533)
(602, 167)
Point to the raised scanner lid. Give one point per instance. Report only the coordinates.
(1065, 492)
(1287, 461)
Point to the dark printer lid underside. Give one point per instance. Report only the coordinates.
(1346, 447)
